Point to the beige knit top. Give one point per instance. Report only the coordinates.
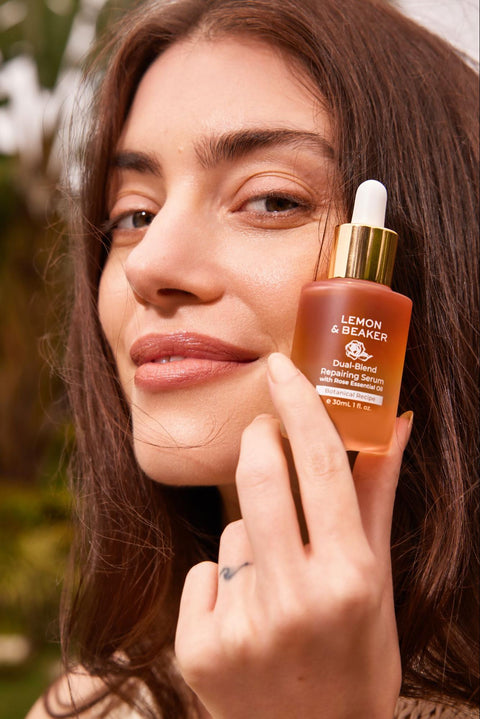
(419, 709)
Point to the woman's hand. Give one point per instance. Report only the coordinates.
(280, 629)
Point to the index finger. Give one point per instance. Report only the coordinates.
(328, 493)
(266, 499)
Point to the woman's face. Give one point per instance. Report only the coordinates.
(217, 204)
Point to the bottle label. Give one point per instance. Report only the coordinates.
(351, 378)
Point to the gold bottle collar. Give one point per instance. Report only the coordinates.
(364, 253)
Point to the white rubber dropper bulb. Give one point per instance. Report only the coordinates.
(370, 204)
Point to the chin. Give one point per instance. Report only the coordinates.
(206, 461)
(195, 443)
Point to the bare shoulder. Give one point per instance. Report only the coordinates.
(71, 689)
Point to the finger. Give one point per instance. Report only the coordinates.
(376, 478)
(266, 501)
(199, 589)
(196, 611)
(234, 557)
(328, 493)
(234, 545)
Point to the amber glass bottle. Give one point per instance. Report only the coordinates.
(351, 332)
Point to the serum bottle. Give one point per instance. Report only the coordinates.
(351, 331)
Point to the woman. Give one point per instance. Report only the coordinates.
(228, 138)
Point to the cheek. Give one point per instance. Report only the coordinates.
(115, 306)
(275, 293)
(113, 301)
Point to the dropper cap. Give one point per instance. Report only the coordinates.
(364, 249)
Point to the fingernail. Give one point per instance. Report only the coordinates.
(280, 368)
(408, 416)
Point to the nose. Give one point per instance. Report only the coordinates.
(175, 263)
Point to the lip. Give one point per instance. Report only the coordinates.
(203, 358)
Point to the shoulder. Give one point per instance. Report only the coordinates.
(75, 689)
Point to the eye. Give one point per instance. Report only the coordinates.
(273, 204)
(133, 220)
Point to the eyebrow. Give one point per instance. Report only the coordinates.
(212, 150)
(142, 162)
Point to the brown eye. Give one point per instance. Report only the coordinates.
(135, 220)
(272, 204)
(280, 204)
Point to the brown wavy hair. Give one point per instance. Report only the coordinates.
(404, 109)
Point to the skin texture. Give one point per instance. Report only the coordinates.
(213, 260)
(285, 624)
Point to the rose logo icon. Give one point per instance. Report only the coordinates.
(356, 351)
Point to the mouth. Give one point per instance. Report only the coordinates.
(165, 360)
(179, 359)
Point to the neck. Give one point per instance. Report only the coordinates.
(230, 504)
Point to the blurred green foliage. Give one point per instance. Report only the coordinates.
(32, 411)
(35, 530)
(42, 33)
(20, 688)
(34, 538)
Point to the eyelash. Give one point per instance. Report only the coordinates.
(301, 205)
(112, 224)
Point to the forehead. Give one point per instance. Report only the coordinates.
(197, 85)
